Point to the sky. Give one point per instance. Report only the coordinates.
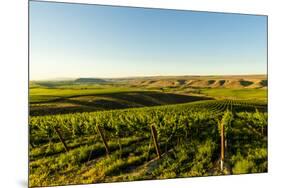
(78, 40)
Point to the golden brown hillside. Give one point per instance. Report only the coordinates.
(236, 81)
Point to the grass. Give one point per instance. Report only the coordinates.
(245, 93)
(76, 162)
(87, 100)
(49, 94)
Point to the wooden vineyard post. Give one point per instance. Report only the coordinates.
(103, 139)
(61, 139)
(154, 135)
(222, 146)
(150, 143)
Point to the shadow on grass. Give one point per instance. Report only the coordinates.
(122, 100)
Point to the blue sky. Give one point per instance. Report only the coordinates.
(76, 40)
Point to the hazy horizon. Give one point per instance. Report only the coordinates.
(78, 40)
(124, 77)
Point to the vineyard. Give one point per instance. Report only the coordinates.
(203, 138)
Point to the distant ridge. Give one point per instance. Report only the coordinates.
(90, 80)
(228, 81)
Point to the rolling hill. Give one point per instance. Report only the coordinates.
(243, 81)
